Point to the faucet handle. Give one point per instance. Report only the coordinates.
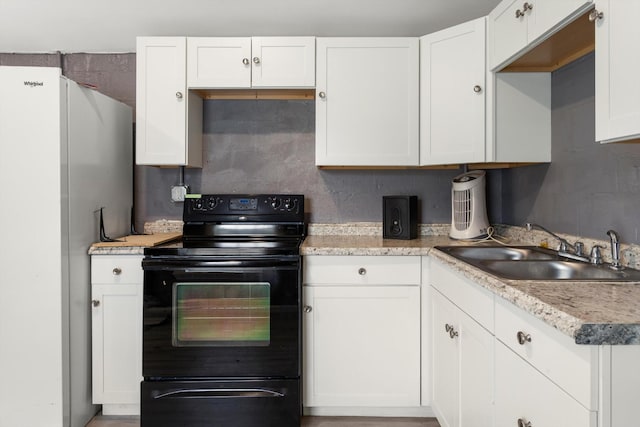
(596, 255)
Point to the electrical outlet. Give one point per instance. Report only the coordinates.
(178, 192)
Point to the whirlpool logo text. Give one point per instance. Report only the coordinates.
(33, 84)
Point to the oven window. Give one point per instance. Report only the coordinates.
(221, 314)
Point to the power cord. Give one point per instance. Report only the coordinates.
(491, 236)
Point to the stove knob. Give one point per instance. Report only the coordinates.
(288, 204)
(212, 203)
(275, 203)
(198, 204)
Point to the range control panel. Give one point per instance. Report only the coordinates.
(234, 207)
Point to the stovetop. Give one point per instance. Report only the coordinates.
(232, 225)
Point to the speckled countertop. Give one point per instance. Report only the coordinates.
(590, 312)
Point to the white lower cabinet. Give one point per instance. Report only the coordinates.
(462, 358)
(361, 331)
(526, 398)
(116, 294)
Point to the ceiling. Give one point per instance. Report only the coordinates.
(112, 25)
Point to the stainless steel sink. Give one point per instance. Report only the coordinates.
(498, 252)
(534, 263)
(557, 270)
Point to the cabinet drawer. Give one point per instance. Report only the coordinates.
(468, 296)
(551, 352)
(362, 270)
(116, 269)
(524, 393)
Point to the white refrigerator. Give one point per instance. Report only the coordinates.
(65, 152)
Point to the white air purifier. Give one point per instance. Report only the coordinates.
(468, 206)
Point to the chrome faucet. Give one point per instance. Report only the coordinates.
(615, 250)
(564, 245)
(566, 249)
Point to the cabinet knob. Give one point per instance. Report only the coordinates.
(308, 309)
(117, 271)
(477, 88)
(256, 60)
(523, 338)
(524, 423)
(452, 332)
(95, 303)
(362, 271)
(526, 6)
(322, 95)
(595, 15)
(179, 95)
(245, 61)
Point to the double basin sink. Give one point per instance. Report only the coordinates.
(535, 263)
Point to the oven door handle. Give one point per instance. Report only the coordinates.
(219, 265)
(219, 393)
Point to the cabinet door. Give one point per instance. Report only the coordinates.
(507, 33)
(116, 343)
(445, 370)
(163, 105)
(524, 393)
(219, 62)
(362, 346)
(617, 71)
(452, 100)
(283, 62)
(367, 102)
(476, 374)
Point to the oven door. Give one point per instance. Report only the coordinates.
(221, 317)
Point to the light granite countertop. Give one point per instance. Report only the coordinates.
(590, 312)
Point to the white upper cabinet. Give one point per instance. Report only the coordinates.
(452, 95)
(515, 26)
(168, 116)
(218, 62)
(617, 70)
(245, 62)
(367, 102)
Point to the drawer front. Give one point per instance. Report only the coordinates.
(522, 393)
(571, 366)
(116, 269)
(362, 270)
(468, 296)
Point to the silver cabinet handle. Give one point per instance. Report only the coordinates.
(117, 271)
(477, 88)
(322, 95)
(526, 6)
(524, 423)
(179, 95)
(256, 60)
(523, 338)
(245, 61)
(95, 303)
(308, 309)
(595, 15)
(452, 332)
(362, 271)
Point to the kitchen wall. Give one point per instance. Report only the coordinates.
(588, 188)
(264, 146)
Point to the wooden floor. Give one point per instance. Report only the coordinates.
(111, 421)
